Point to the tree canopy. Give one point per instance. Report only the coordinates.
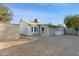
(5, 13)
(72, 21)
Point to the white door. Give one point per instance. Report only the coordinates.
(42, 31)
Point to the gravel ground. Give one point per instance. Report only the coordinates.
(11, 44)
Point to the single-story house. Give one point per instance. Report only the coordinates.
(37, 28)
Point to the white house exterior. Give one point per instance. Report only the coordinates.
(37, 28)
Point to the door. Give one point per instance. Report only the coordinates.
(42, 31)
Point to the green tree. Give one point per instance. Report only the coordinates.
(72, 21)
(5, 13)
(60, 25)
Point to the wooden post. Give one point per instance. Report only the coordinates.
(78, 31)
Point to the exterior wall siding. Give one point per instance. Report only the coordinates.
(23, 28)
(46, 31)
(51, 31)
(59, 31)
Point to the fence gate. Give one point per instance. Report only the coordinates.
(70, 31)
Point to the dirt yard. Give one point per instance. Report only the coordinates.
(11, 44)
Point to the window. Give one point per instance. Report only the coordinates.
(34, 29)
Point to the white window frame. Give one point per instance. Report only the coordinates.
(33, 29)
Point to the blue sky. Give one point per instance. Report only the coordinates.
(47, 12)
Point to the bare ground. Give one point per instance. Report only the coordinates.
(11, 44)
